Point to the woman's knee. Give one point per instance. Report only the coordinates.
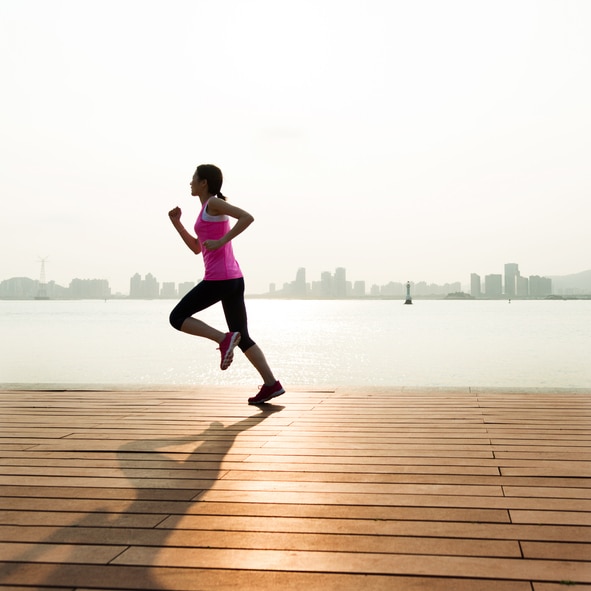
(176, 319)
(245, 343)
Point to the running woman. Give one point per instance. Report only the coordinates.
(223, 280)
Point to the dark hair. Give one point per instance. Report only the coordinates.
(213, 175)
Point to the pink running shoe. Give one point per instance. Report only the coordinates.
(226, 348)
(266, 393)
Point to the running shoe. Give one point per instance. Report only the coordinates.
(266, 393)
(226, 348)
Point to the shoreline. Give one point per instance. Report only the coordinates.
(99, 387)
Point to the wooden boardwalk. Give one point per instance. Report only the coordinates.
(346, 489)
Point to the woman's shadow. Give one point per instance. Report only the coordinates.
(138, 525)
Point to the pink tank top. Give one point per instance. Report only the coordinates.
(220, 264)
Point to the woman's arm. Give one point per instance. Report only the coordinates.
(188, 239)
(216, 206)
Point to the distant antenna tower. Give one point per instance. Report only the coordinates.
(42, 291)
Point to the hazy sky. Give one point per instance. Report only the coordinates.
(403, 140)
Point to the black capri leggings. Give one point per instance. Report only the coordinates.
(206, 293)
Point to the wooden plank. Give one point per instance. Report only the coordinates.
(383, 489)
(122, 578)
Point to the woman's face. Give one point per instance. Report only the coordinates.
(198, 187)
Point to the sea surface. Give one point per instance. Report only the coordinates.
(432, 343)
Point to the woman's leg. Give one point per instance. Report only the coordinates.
(235, 312)
(255, 355)
(202, 296)
(198, 328)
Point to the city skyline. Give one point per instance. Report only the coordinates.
(510, 284)
(329, 284)
(45, 266)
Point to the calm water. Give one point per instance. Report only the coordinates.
(524, 344)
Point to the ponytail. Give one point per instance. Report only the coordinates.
(213, 175)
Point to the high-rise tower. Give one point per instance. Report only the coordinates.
(511, 275)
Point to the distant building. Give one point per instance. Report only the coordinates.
(540, 286)
(493, 285)
(299, 285)
(185, 288)
(135, 286)
(475, 286)
(359, 289)
(393, 288)
(521, 286)
(317, 289)
(152, 287)
(18, 288)
(89, 289)
(511, 275)
(144, 289)
(340, 283)
(326, 284)
(421, 288)
(168, 290)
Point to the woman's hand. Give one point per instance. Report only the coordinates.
(190, 241)
(175, 214)
(213, 244)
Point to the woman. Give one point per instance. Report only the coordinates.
(223, 280)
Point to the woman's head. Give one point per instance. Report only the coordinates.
(213, 176)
